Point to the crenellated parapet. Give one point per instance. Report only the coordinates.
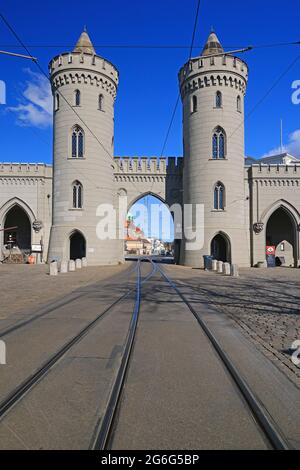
(147, 168)
(82, 68)
(274, 175)
(41, 170)
(201, 72)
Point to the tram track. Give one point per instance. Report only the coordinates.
(103, 434)
(262, 417)
(19, 392)
(44, 311)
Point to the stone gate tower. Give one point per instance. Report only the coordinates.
(84, 89)
(212, 90)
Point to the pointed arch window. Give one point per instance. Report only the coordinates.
(219, 196)
(219, 143)
(239, 104)
(101, 102)
(77, 142)
(77, 195)
(194, 104)
(218, 99)
(77, 98)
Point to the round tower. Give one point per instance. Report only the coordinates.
(84, 87)
(212, 88)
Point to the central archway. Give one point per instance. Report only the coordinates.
(149, 227)
(220, 248)
(281, 232)
(21, 235)
(77, 246)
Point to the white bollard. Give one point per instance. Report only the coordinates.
(234, 270)
(220, 267)
(84, 262)
(64, 267)
(78, 264)
(71, 265)
(226, 269)
(214, 265)
(53, 268)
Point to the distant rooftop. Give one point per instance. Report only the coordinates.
(280, 159)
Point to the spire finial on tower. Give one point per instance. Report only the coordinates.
(213, 45)
(84, 43)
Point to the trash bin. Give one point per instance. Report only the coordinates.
(207, 261)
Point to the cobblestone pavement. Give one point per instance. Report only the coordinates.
(265, 303)
(25, 286)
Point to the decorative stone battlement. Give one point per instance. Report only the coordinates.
(274, 171)
(148, 165)
(26, 170)
(204, 71)
(94, 70)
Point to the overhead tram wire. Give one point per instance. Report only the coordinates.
(56, 89)
(59, 92)
(155, 46)
(111, 157)
(261, 100)
(178, 96)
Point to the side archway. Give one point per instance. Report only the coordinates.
(77, 245)
(281, 232)
(220, 247)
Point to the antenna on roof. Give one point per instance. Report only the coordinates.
(281, 140)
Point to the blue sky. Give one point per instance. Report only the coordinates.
(148, 77)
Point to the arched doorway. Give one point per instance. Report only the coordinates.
(281, 233)
(149, 228)
(220, 248)
(19, 237)
(77, 246)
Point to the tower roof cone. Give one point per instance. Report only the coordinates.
(213, 45)
(84, 44)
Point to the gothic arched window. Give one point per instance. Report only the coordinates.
(77, 142)
(219, 143)
(77, 195)
(219, 196)
(77, 98)
(218, 99)
(239, 104)
(100, 102)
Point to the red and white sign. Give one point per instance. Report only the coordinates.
(271, 250)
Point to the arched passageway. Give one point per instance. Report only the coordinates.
(77, 246)
(149, 227)
(281, 233)
(19, 237)
(220, 248)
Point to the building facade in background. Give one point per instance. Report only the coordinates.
(249, 204)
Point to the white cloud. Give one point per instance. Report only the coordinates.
(35, 108)
(292, 147)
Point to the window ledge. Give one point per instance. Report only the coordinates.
(218, 159)
(218, 107)
(218, 210)
(76, 158)
(73, 209)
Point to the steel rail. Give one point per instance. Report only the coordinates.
(48, 309)
(259, 412)
(21, 390)
(103, 432)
